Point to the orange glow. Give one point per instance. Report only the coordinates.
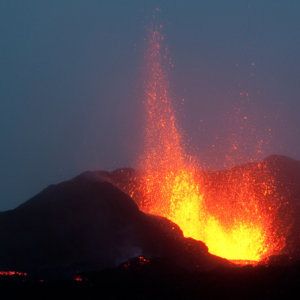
(12, 273)
(78, 278)
(234, 216)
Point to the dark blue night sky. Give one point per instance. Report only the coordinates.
(71, 85)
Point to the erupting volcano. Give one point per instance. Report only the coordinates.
(238, 222)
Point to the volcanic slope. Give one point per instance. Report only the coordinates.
(87, 224)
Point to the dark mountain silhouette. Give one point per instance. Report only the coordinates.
(86, 224)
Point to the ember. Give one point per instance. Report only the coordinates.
(143, 260)
(12, 273)
(236, 223)
(78, 278)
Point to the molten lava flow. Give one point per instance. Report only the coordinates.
(12, 273)
(226, 213)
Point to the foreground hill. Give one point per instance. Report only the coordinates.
(89, 223)
(86, 224)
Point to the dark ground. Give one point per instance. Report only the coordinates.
(158, 279)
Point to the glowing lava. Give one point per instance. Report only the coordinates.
(12, 273)
(235, 223)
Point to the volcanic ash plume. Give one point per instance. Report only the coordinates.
(235, 224)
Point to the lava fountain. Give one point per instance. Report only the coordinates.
(236, 224)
